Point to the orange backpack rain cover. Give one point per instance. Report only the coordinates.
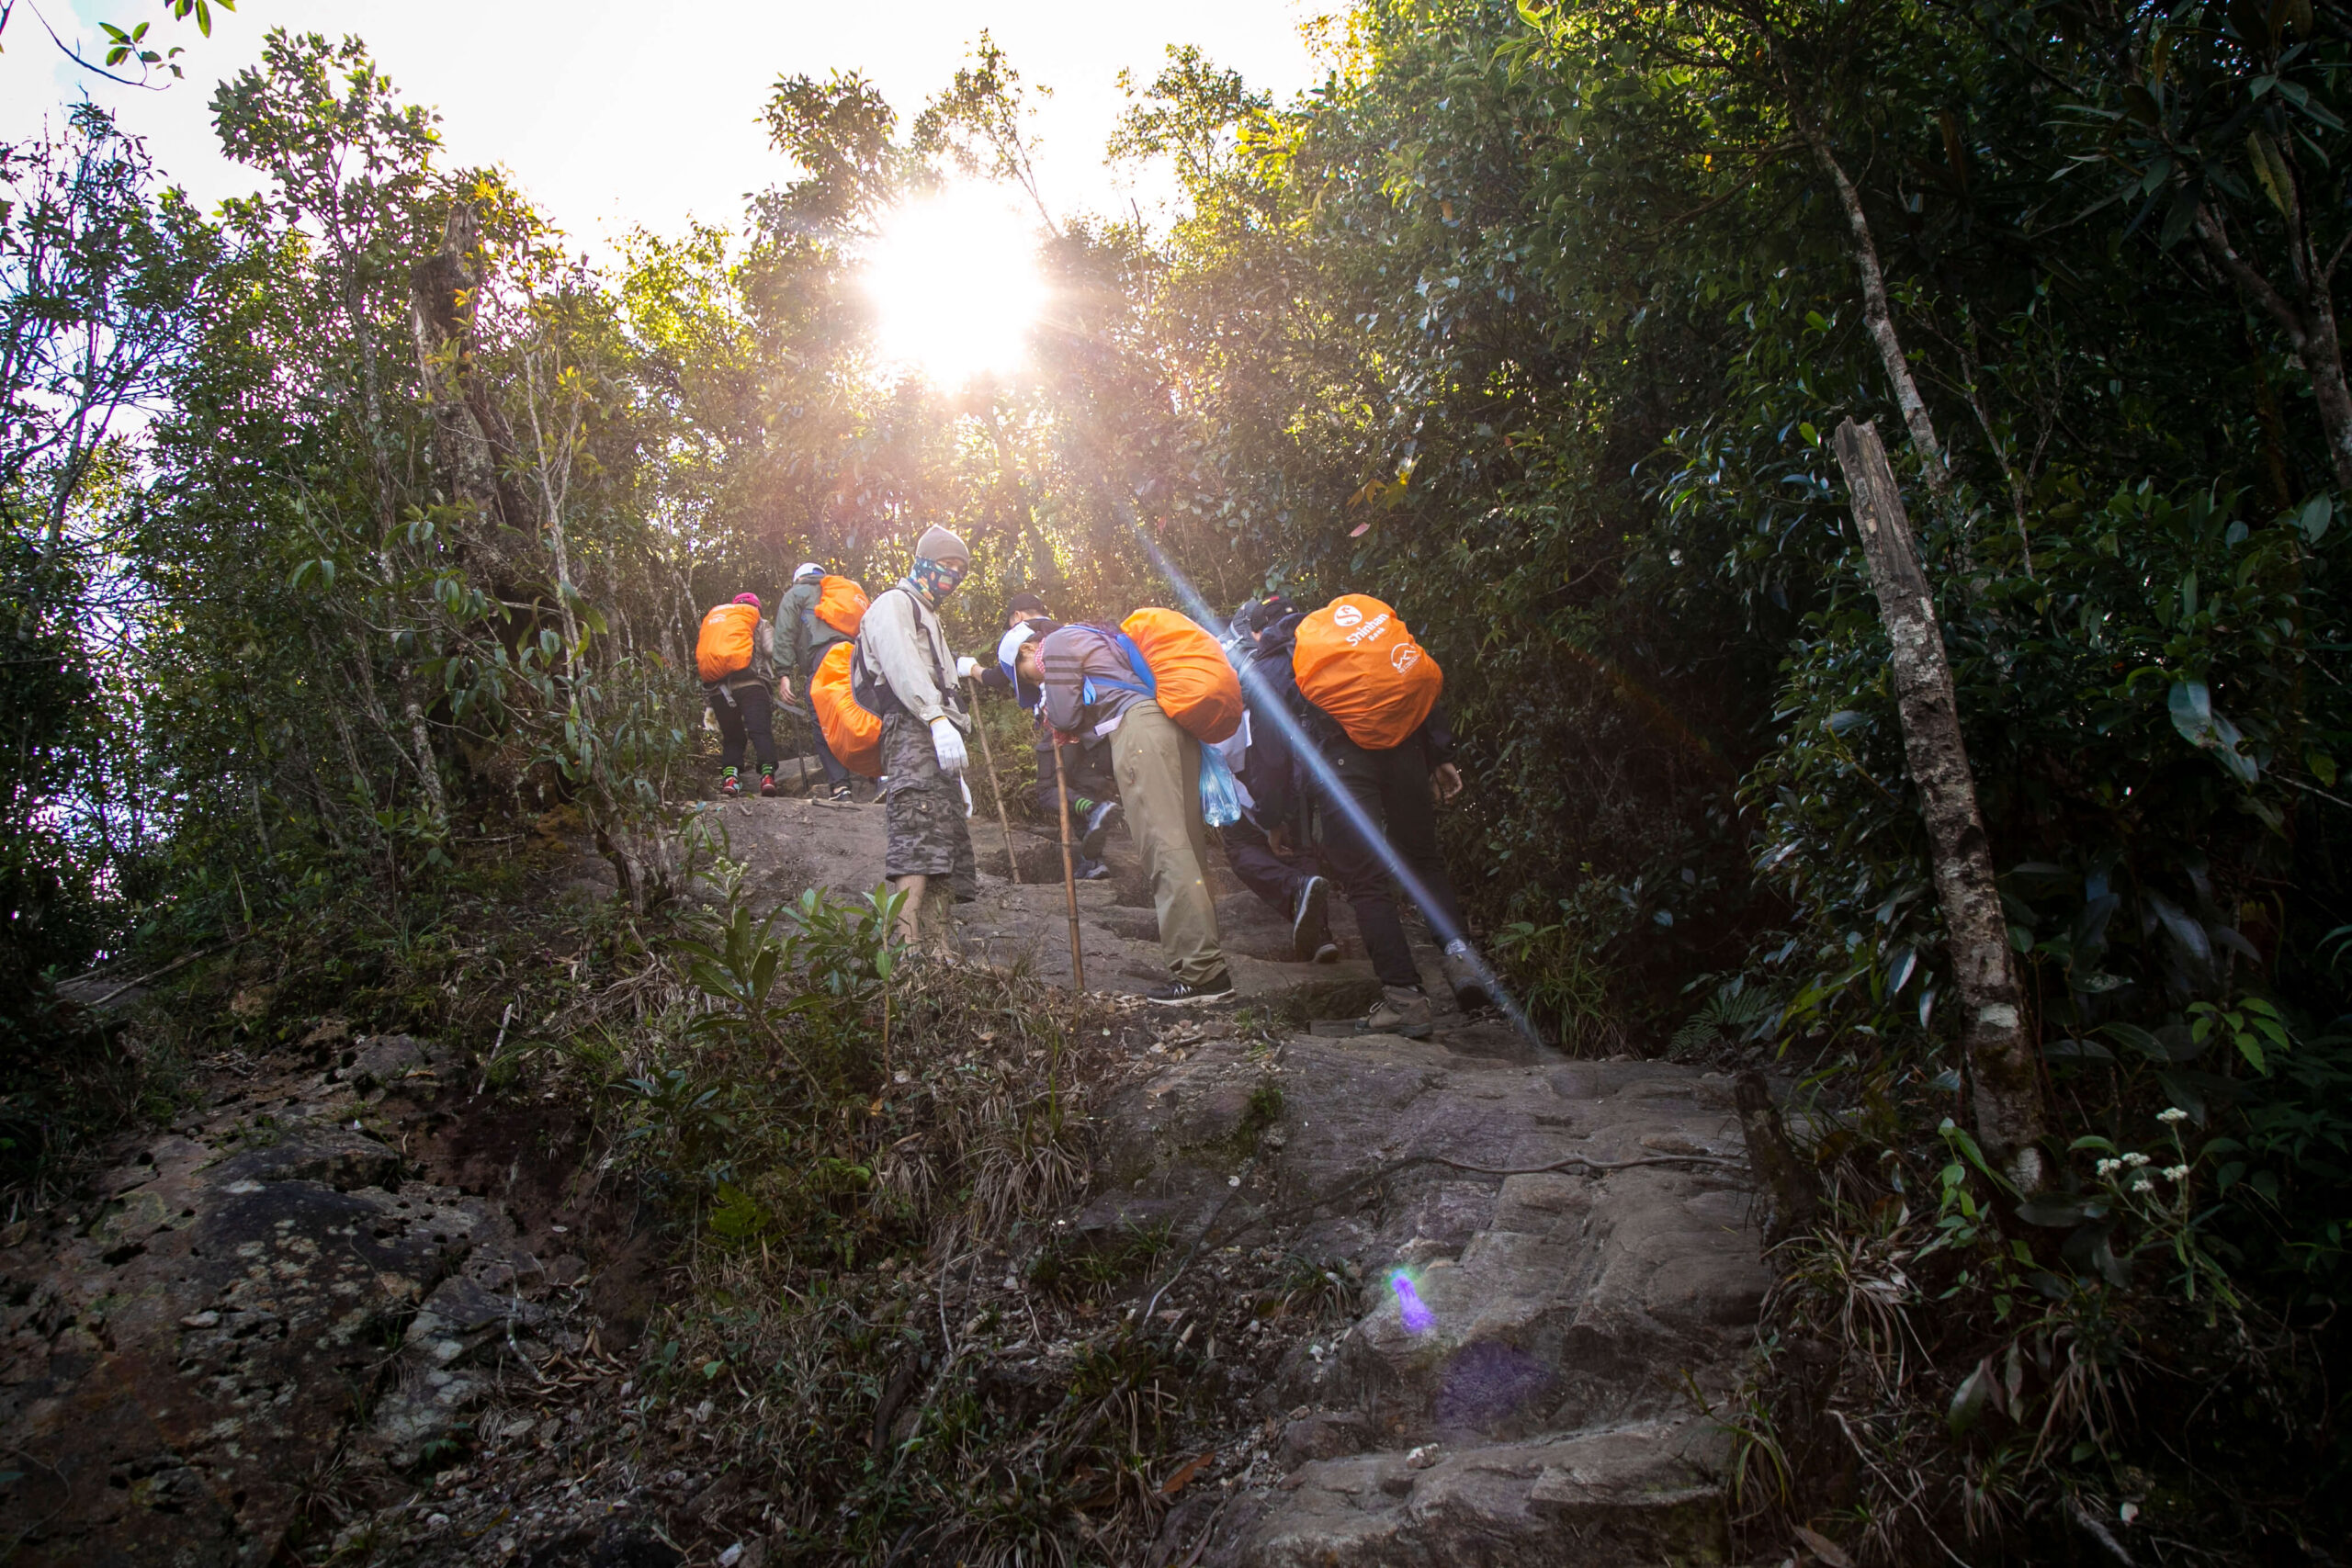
(725, 645)
(1356, 661)
(840, 605)
(854, 735)
(1197, 686)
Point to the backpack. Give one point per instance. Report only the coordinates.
(726, 642)
(1354, 659)
(852, 732)
(1185, 670)
(840, 605)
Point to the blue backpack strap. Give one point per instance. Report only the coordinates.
(1089, 686)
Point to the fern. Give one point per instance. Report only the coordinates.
(1730, 1011)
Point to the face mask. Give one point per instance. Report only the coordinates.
(937, 578)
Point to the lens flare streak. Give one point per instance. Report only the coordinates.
(1418, 1317)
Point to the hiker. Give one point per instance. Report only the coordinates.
(1299, 895)
(1092, 692)
(905, 668)
(1355, 655)
(1085, 775)
(735, 655)
(808, 633)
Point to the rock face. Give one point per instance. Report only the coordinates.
(250, 1308)
(1524, 1387)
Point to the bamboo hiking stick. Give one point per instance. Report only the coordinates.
(987, 755)
(1069, 875)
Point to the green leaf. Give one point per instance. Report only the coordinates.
(1970, 1400)
(2316, 516)
(2270, 170)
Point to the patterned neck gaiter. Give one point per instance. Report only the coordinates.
(935, 578)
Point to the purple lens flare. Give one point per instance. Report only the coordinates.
(1418, 1317)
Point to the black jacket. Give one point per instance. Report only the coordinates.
(1277, 779)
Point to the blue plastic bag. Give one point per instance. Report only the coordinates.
(1220, 802)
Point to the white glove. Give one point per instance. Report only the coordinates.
(966, 786)
(947, 745)
(966, 668)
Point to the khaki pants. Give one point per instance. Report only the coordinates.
(1159, 769)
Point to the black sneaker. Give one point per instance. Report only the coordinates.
(843, 792)
(1098, 828)
(1310, 923)
(1091, 871)
(1184, 994)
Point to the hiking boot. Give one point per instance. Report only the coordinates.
(1184, 993)
(1098, 828)
(730, 786)
(1091, 871)
(1310, 924)
(842, 791)
(1465, 975)
(767, 784)
(1402, 1010)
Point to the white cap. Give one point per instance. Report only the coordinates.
(807, 569)
(1009, 648)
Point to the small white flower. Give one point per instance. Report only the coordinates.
(2145, 1184)
(2109, 1167)
(2176, 1173)
(2170, 1114)
(2135, 1160)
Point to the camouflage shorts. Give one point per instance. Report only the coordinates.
(923, 810)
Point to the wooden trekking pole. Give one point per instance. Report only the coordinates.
(1069, 875)
(987, 755)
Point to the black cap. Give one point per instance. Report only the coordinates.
(1025, 605)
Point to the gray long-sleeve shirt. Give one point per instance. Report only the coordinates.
(903, 644)
(801, 638)
(1072, 656)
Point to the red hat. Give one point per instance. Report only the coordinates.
(750, 599)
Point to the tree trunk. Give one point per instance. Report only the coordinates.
(2000, 1051)
(2308, 320)
(1878, 315)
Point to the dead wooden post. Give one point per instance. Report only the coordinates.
(1070, 877)
(996, 788)
(2005, 1076)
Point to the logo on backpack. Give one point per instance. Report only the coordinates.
(1345, 615)
(1405, 658)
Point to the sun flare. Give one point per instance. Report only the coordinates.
(954, 284)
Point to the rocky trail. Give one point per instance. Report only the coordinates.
(345, 1290)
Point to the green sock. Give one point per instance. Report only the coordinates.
(1080, 805)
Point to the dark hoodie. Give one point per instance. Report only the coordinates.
(1273, 771)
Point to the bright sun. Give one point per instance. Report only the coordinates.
(954, 284)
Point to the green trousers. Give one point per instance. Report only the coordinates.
(1159, 769)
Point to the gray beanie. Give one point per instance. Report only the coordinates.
(938, 544)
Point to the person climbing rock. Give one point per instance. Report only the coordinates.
(1286, 882)
(905, 672)
(1091, 691)
(816, 613)
(735, 656)
(1085, 771)
(1390, 752)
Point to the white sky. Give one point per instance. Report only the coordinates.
(615, 113)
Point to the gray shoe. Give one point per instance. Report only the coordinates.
(1401, 1011)
(1310, 924)
(1465, 975)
